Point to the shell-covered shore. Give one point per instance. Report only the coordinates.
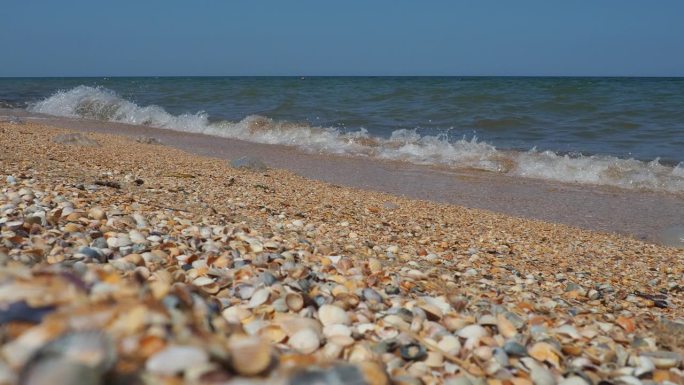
(124, 261)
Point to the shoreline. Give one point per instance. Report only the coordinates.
(648, 216)
(193, 271)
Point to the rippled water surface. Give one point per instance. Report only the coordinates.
(625, 132)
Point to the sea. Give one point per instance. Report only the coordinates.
(626, 133)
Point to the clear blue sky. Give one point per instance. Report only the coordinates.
(350, 37)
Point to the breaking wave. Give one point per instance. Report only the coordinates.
(404, 145)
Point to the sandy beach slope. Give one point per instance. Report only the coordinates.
(128, 261)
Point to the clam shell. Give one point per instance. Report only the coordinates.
(273, 333)
(259, 298)
(305, 341)
(250, 355)
(294, 301)
(331, 314)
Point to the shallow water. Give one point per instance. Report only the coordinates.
(646, 215)
(622, 132)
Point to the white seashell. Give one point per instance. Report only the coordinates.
(259, 298)
(202, 281)
(472, 332)
(450, 345)
(646, 365)
(136, 236)
(176, 359)
(305, 341)
(460, 380)
(628, 380)
(664, 359)
(331, 314)
(573, 380)
(235, 314)
(332, 351)
(539, 374)
(245, 291)
(569, 331)
(337, 330)
(434, 360)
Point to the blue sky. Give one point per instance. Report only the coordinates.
(350, 37)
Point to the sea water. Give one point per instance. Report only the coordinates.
(622, 132)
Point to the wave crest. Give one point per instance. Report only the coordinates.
(404, 145)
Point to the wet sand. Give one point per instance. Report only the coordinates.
(648, 216)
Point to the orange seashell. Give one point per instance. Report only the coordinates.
(626, 323)
(543, 352)
(150, 345)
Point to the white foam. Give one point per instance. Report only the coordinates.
(405, 145)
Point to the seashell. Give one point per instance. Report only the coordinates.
(458, 380)
(569, 331)
(386, 333)
(259, 298)
(573, 380)
(97, 213)
(487, 320)
(244, 291)
(236, 314)
(538, 373)
(176, 359)
(645, 366)
(543, 352)
(412, 352)
(472, 332)
(294, 301)
(628, 380)
(374, 265)
(202, 281)
(450, 345)
(626, 323)
(663, 359)
(331, 314)
(280, 305)
(434, 360)
(433, 313)
(332, 351)
(292, 325)
(337, 330)
(273, 333)
(371, 296)
(254, 326)
(453, 323)
(305, 341)
(250, 355)
(360, 353)
(506, 327)
(396, 321)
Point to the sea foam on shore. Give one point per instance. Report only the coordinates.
(404, 145)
